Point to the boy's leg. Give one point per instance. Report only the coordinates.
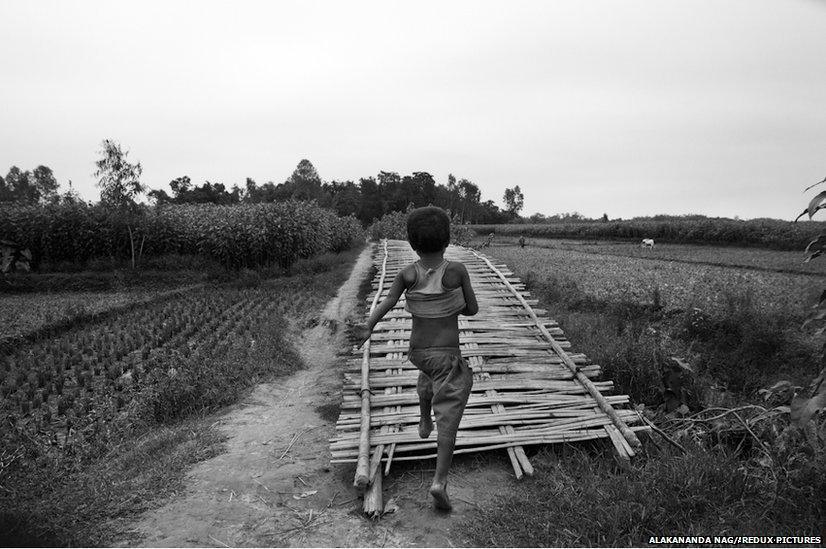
(450, 397)
(424, 388)
(444, 457)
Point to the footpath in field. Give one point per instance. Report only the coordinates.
(529, 388)
(274, 484)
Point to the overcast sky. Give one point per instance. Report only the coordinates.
(625, 107)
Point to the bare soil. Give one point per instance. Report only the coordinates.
(275, 486)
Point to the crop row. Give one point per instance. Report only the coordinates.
(90, 373)
(242, 235)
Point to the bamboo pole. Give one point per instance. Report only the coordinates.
(373, 505)
(572, 437)
(363, 464)
(587, 383)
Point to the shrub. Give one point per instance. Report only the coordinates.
(394, 226)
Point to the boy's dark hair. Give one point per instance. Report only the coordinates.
(428, 229)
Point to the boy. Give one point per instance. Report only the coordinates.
(437, 292)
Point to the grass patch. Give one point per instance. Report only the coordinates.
(328, 412)
(70, 506)
(737, 348)
(580, 499)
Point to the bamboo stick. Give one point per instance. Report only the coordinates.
(373, 505)
(362, 472)
(530, 442)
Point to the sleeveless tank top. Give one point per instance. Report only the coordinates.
(428, 298)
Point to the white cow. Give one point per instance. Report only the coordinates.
(647, 243)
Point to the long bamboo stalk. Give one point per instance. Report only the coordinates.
(362, 468)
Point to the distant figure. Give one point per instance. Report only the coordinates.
(522, 241)
(647, 243)
(487, 242)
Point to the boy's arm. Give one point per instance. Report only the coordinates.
(471, 306)
(362, 331)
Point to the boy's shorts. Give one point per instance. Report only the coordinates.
(445, 379)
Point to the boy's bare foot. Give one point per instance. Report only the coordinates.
(425, 426)
(439, 493)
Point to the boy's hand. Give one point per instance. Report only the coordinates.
(359, 334)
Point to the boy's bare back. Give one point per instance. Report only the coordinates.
(443, 331)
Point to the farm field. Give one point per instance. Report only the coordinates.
(716, 479)
(70, 398)
(751, 258)
(22, 314)
(620, 273)
(765, 233)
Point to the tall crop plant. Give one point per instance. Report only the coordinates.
(243, 235)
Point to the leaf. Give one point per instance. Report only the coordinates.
(781, 392)
(804, 408)
(815, 317)
(815, 184)
(816, 203)
(816, 247)
(303, 495)
(682, 364)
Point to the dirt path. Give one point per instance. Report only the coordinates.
(275, 485)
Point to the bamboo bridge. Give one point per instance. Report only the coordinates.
(529, 387)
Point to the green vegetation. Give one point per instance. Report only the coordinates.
(394, 226)
(234, 236)
(680, 285)
(81, 407)
(716, 256)
(579, 498)
(768, 233)
(753, 470)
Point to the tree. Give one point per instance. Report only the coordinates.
(5, 192)
(514, 201)
(372, 207)
(30, 187)
(344, 197)
(119, 181)
(180, 185)
(18, 187)
(120, 185)
(209, 193)
(390, 192)
(305, 183)
(70, 196)
(45, 184)
(469, 196)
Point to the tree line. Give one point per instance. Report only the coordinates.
(368, 199)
